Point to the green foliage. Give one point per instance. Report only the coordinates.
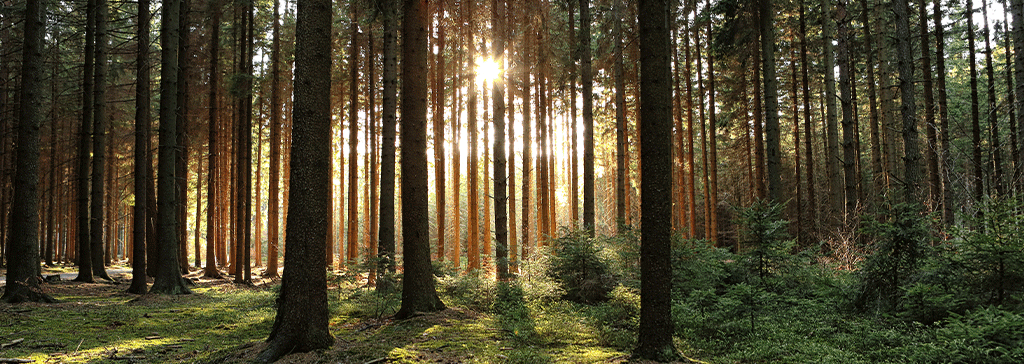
(618, 319)
(990, 256)
(579, 265)
(473, 289)
(900, 245)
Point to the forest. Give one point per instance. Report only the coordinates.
(499, 181)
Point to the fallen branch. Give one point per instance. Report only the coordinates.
(12, 360)
(12, 343)
(378, 360)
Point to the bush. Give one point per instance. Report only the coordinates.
(900, 247)
(578, 266)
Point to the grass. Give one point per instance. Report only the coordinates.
(224, 322)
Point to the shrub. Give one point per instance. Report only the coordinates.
(578, 266)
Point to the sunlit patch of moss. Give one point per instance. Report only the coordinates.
(585, 354)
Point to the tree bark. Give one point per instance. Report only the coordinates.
(302, 315)
(500, 183)
(588, 118)
(85, 270)
(831, 127)
(168, 278)
(978, 175)
(846, 101)
(213, 209)
(771, 102)
(993, 126)
(23, 272)
(940, 88)
(141, 152)
(905, 65)
(654, 336)
(418, 293)
(386, 233)
(353, 139)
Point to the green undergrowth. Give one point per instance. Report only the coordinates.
(99, 323)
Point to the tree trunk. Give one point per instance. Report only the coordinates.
(85, 269)
(940, 87)
(812, 202)
(302, 315)
(978, 174)
(574, 200)
(141, 152)
(386, 234)
(654, 336)
(1017, 8)
(527, 141)
(712, 142)
(168, 278)
(438, 114)
(213, 209)
(353, 139)
(620, 124)
(905, 64)
(993, 127)
(243, 205)
(588, 118)
(771, 102)
(846, 101)
(831, 127)
(22, 273)
(418, 293)
(691, 170)
(931, 158)
(500, 184)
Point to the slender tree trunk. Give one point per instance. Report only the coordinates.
(386, 234)
(588, 118)
(438, 113)
(213, 209)
(527, 140)
(500, 183)
(141, 151)
(978, 174)
(849, 160)
(831, 130)
(940, 88)
(993, 127)
(473, 239)
(353, 139)
(620, 124)
(712, 141)
(771, 102)
(812, 204)
(905, 64)
(1017, 8)
(691, 170)
(759, 161)
(85, 269)
(931, 158)
(1015, 162)
(574, 201)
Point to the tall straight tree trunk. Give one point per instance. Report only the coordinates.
(620, 124)
(85, 269)
(993, 126)
(691, 169)
(513, 242)
(353, 139)
(213, 209)
(1017, 8)
(905, 65)
(168, 278)
(771, 102)
(978, 174)
(798, 178)
(654, 334)
(712, 141)
(418, 293)
(455, 253)
(473, 238)
(574, 200)
(846, 100)
(302, 315)
(244, 139)
(940, 88)
(1015, 162)
(931, 158)
(386, 234)
(831, 127)
(703, 136)
(759, 162)
(438, 113)
(588, 118)
(99, 143)
(141, 151)
(22, 285)
(373, 164)
(527, 141)
(876, 149)
(500, 183)
(812, 201)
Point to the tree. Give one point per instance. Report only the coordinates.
(940, 88)
(1017, 8)
(213, 208)
(418, 293)
(168, 279)
(22, 272)
(386, 232)
(142, 160)
(85, 271)
(835, 187)
(301, 321)
(353, 139)
(771, 102)
(438, 114)
(846, 103)
(993, 127)
(620, 123)
(655, 333)
(977, 178)
(905, 65)
(99, 141)
(500, 183)
(243, 203)
(588, 118)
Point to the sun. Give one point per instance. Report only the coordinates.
(487, 70)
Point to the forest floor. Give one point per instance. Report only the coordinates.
(223, 322)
